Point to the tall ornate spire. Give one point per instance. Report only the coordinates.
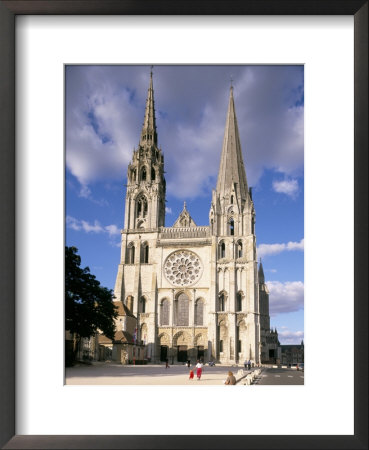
(145, 197)
(148, 133)
(231, 170)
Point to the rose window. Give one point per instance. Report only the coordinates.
(182, 268)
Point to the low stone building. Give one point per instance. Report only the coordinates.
(292, 354)
(125, 347)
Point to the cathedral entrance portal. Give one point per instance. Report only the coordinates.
(200, 352)
(182, 353)
(163, 352)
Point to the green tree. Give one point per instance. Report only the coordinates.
(88, 305)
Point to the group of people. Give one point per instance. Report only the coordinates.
(247, 364)
(198, 368)
(231, 379)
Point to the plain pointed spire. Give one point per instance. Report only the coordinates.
(231, 170)
(148, 134)
(261, 274)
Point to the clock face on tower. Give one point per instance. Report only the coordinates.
(183, 268)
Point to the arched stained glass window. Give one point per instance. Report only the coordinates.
(199, 312)
(164, 313)
(182, 310)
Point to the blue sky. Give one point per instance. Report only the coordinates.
(104, 115)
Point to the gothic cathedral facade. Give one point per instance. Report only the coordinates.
(196, 292)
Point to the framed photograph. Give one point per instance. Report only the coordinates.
(50, 52)
(189, 180)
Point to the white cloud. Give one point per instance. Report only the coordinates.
(274, 249)
(288, 187)
(73, 223)
(296, 245)
(85, 191)
(96, 227)
(112, 230)
(168, 210)
(290, 337)
(285, 297)
(105, 109)
(91, 228)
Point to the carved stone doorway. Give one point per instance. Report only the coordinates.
(163, 352)
(200, 352)
(182, 353)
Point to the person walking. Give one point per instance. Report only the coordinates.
(249, 364)
(188, 363)
(166, 363)
(191, 374)
(231, 379)
(198, 370)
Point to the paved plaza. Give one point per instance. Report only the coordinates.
(116, 374)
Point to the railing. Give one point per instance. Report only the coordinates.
(184, 232)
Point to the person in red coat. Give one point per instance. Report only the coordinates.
(191, 374)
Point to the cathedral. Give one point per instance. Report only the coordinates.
(189, 292)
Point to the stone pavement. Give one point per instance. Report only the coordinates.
(116, 374)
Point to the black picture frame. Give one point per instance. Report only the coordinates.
(8, 12)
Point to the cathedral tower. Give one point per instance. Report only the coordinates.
(145, 198)
(135, 285)
(232, 219)
(232, 210)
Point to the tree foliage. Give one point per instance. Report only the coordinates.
(88, 305)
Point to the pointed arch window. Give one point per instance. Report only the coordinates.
(239, 301)
(238, 340)
(231, 199)
(199, 312)
(164, 312)
(143, 174)
(133, 175)
(182, 310)
(142, 304)
(142, 207)
(239, 249)
(221, 301)
(221, 249)
(145, 253)
(231, 227)
(131, 253)
(153, 174)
